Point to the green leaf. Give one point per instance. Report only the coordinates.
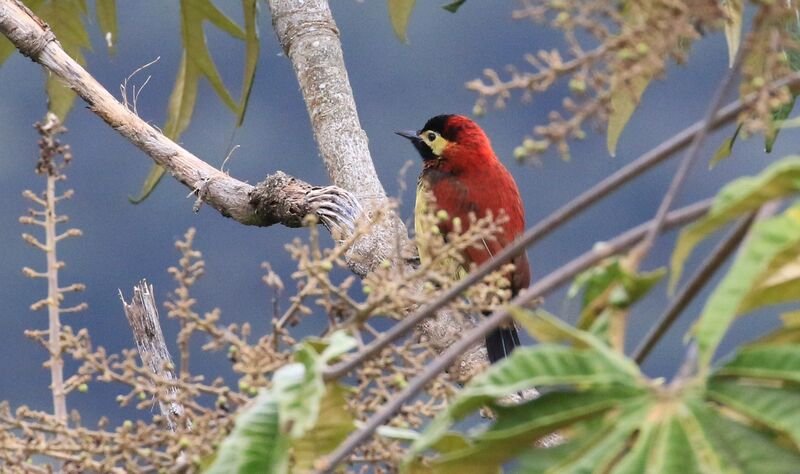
(545, 365)
(774, 362)
(256, 444)
(724, 150)
(333, 425)
(518, 427)
(548, 328)
(453, 7)
(739, 288)
(735, 199)
(775, 408)
(733, 27)
(298, 387)
(6, 46)
(65, 18)
(672, 451)
(740, 448)
(611, 285)
(775, 125)
(252, 49)
(106, 11)
(624, 100)
(196, 63)
(399, 13)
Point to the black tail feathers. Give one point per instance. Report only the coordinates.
(500, 343)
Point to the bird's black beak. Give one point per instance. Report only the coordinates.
(409, 134)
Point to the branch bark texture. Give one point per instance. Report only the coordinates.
(142, 314)
(278, 199)
(307, 32)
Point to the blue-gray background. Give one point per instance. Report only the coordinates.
(397, 86)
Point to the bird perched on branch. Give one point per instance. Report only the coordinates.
(461, 171)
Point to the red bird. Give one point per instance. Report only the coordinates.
(465, 177)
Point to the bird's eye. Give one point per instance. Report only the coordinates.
(431, 136)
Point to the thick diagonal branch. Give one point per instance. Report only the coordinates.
(278, 199)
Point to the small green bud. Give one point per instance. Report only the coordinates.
(127, 424)
(478, 110)
(232, 349)
(83, 388)
(252, 391)
(385, 264)
(366, 289)
(757, 81)
(625, 54)
(120, 399)
(562, 17)
(184, 442)
(441, 214)
(457, 224)
(326, 265)
(579, 134)
(142, 396)
(243, 386)
(642, 48)
(577, 85)
(146, 452)
(520, 153)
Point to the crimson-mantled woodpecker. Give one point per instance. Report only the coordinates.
(461, 171)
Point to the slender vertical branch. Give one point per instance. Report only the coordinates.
(688, 160)
(706, 271)
(53, 304)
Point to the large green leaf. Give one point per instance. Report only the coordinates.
(775, 408)
(545, 365)
(399, 13)
(548, 328)
(729, 446)
(256, 444)
(517, 429)
(742, 286)
(197, 63)
(775, 362)
(735, 199)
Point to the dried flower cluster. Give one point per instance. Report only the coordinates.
(614, 49)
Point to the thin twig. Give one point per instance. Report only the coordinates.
(706, 271)
(539, 289)
(688, 160)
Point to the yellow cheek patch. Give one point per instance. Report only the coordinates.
(437, 145)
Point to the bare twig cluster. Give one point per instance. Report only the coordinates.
(53, 157)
